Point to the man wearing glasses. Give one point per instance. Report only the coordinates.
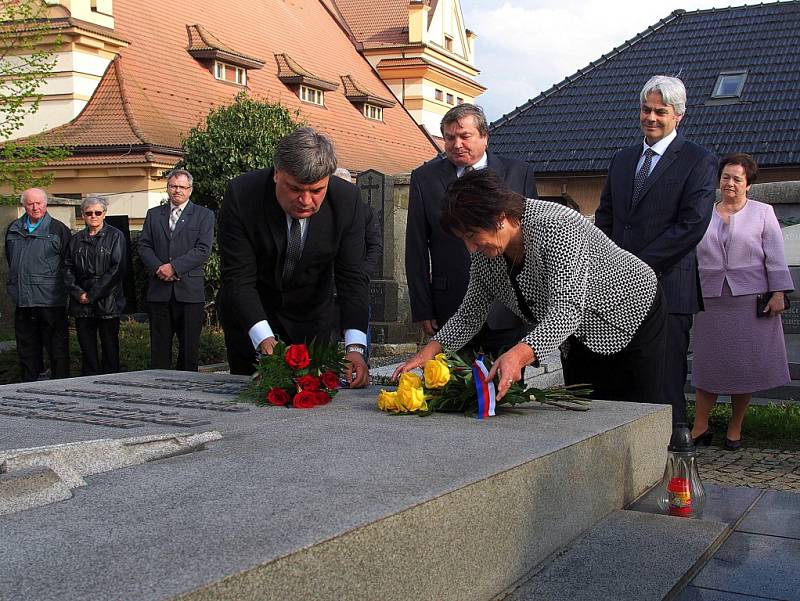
(174, 245)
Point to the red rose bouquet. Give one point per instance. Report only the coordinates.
(296, 376)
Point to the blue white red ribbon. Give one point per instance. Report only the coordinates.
(484, 388)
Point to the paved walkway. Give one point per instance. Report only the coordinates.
(755, 468)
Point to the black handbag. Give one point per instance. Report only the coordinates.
(763, 299)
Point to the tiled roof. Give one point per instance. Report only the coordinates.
(156, 92)
(290, 73)
(357, 93)
(119, 113)
(204, 44)
(376, 23)
(578, 124)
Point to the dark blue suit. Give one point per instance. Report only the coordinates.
(663, 229)
(176, 307)
(437, 264)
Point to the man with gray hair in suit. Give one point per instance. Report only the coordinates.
(656, 204)
(174, 246)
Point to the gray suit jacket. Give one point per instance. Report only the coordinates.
(187, 248)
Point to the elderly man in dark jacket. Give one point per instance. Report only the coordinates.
(35, 248)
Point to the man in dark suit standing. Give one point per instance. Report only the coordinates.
(175, 243)
(437, 264)
(657, 204)
(286, 236)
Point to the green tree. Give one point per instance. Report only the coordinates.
(26, 61)
(234, 139)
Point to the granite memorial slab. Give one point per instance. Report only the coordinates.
(337, 502)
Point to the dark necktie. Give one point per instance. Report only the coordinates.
(292, 250)
(641, 175)
(467, 169)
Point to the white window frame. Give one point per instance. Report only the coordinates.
(241, 76)
(219, 70)
(373, 112)
(311, 95)
(739, 76)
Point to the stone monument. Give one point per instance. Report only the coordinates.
(157, 485)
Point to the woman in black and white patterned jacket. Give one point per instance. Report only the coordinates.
(562, 275)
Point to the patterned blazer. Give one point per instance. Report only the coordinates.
(575, 281)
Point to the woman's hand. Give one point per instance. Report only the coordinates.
(428, 352)
(508, 367)
(775, 306)
(83, 298)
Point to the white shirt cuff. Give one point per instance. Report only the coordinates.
(260, 331)
(355, 337)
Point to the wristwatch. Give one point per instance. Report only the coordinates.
(355, 348)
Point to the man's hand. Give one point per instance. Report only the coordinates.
(356, 371)
(267, 345)
(429, 326)
(166, 273)
(83, 298)
(508, 367)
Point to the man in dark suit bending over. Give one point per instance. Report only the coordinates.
(286, 235)
(656, 204)
(437, 264)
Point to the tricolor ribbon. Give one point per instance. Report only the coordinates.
(484, 387)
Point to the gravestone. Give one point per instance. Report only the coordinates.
(377, 191)
(157, 485)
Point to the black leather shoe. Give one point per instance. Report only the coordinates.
(733, 445)
(704, 439)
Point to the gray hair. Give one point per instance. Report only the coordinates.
(177, 172)
(344, 174)
(457, 113)
(306, 155)
(40, 190)
(94, 200)
(671, 89)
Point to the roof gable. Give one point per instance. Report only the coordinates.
(578, 124)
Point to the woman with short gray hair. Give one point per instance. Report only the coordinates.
(93, 270)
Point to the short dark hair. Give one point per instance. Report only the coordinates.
(458, 112)
(477, 201)
(746, 161)
(306, 155)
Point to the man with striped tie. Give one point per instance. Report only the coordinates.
(175, 244)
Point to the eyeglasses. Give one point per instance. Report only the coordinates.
(95, 213)
(184, 188)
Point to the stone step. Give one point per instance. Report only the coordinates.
(628, 556)
(336, 502)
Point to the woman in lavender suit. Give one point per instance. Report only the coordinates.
(737, 353)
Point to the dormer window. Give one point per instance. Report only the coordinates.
(231, 73)
(373, 112)
(312, 95)
(225, 63)
(729, 84)
(371, 104)
(309, 87)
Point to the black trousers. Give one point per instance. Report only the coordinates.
(675, 364)
(634, 373)
(39, 328)
(173, 318)
(87, 329)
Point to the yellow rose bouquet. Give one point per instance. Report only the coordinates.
(449, 384)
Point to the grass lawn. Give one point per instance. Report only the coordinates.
(765, 426)
(134, 351)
